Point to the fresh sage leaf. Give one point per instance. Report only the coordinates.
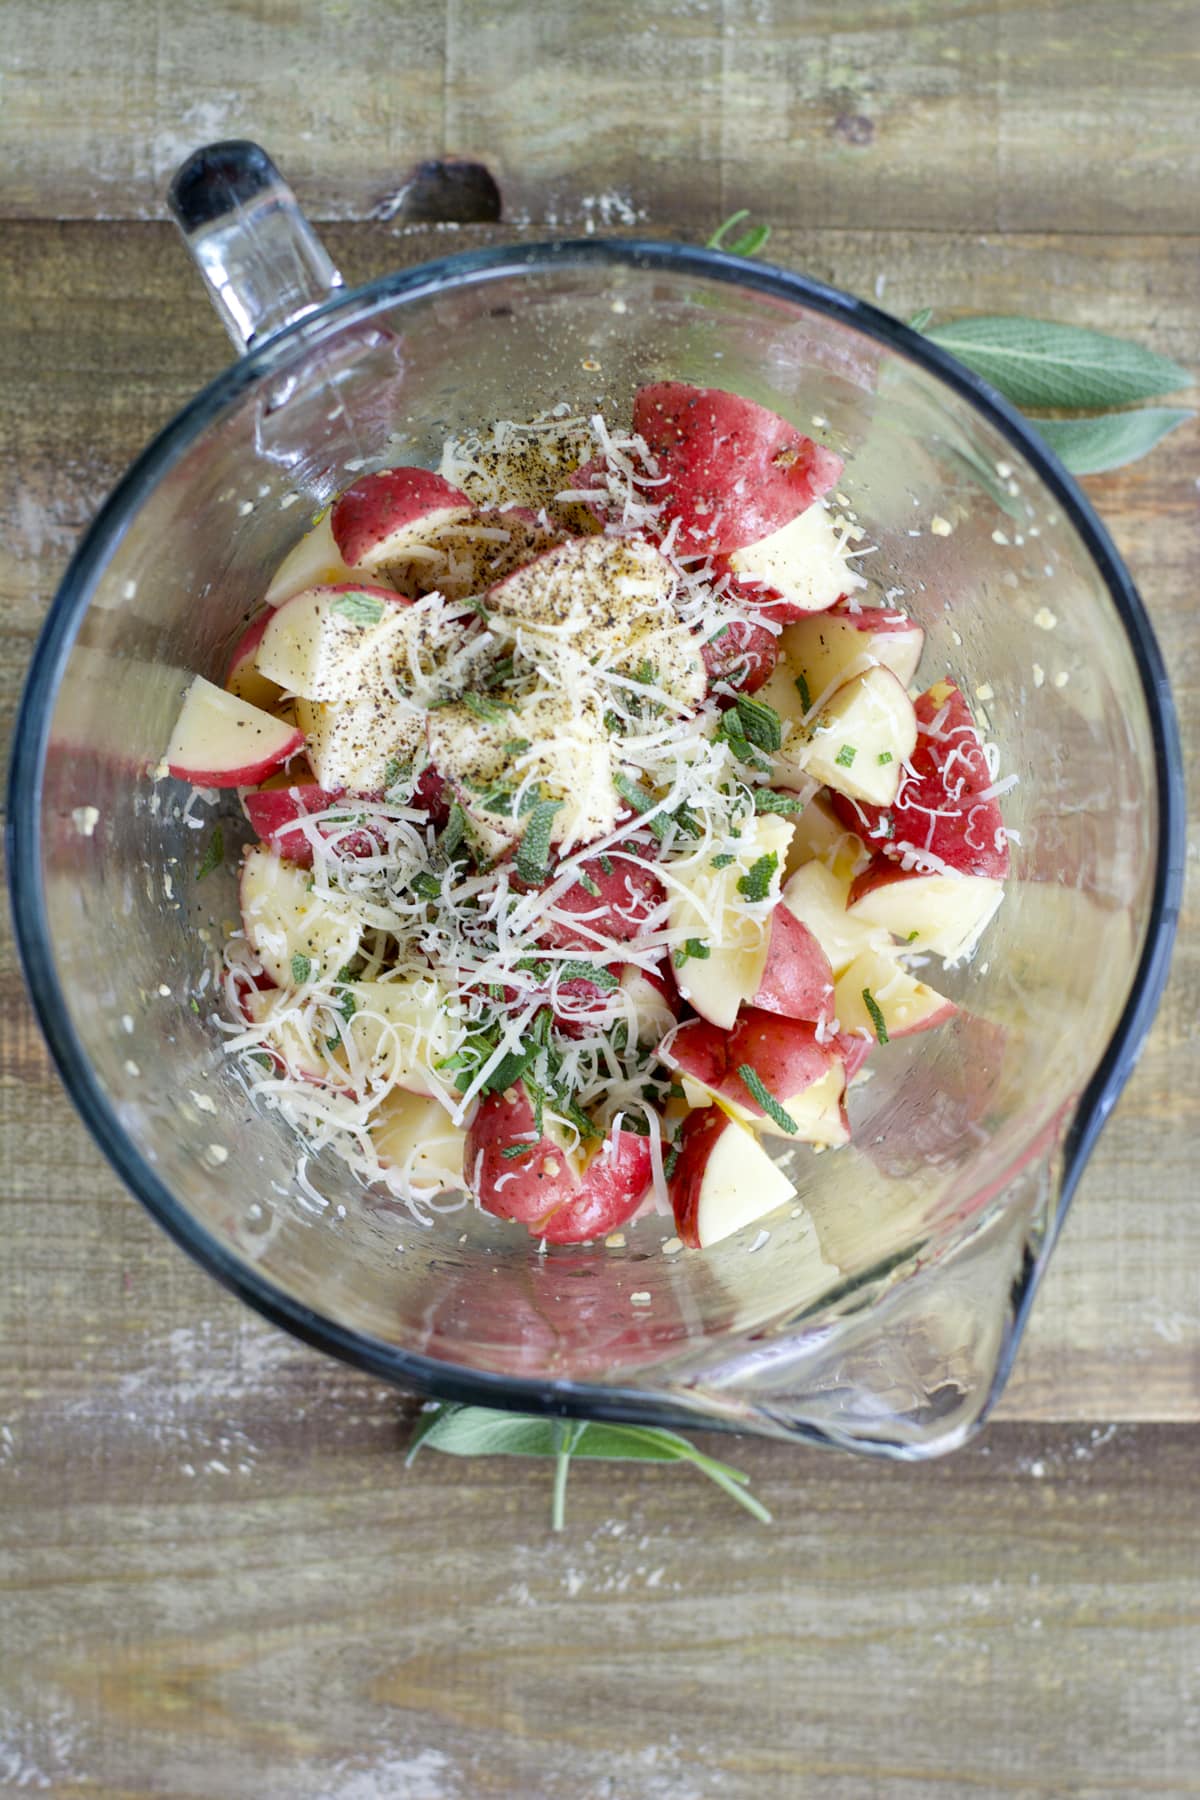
(1109, 440)
(492, 712)
(920, 320)
(755, 884)
(750, 242)
(481, 1431)
(214, 854)
(756, 1086)
(359, 609)
(1034, 362)
(533, 856)
(604, 979)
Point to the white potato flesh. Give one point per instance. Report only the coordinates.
(604, 602)
(219, 740)
(780, 692)
(397, 1030)
(569, 759)
(817, 1113)
(818, 899)
(819, 835)
(863, 734)
(653, 1017)
(413, 1136)
(740, 1185)
(353, 746)
(314, 561)
(805, 560)
(292, 925)
(287, 1029)
(905, 1004)
(707, 905)
(829, 647)
(317, 645)
(941, 914)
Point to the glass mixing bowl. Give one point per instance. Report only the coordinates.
(885, 1312)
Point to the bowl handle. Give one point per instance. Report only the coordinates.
(263, 264)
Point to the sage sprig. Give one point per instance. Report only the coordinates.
(1103, 441)
(750, 242)
(482, 1431)
(1036, 363)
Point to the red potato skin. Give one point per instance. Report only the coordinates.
(432, 796)
(246, 776)
(543, 1193)
(541, 1181)
(247, 644)
(271, 810)
(585, 998)
(613, 1187)
(743, 656)
(272, 813)
(698, 1049)
(854, 1051)
(878, 873)
(628, 896)
(797, 981)
(784, 1053)
(871, 618)
(951, 771)
(738, 471)
(367, 514)
(697, 1139)
(587, 475)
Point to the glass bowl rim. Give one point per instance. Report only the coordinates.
(450, 1381)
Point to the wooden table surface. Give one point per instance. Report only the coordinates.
(218, 1579)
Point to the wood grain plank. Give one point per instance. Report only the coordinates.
(107, 333)
(920, 114)
(249, 1595)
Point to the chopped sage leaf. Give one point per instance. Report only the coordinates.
(603, 979)
(533, 856)
(359, 609)
(758, 1089)
(761, 724)
(755, 884)
(877, 1019)
(766, 800)
(492, 712)
(214, 854)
